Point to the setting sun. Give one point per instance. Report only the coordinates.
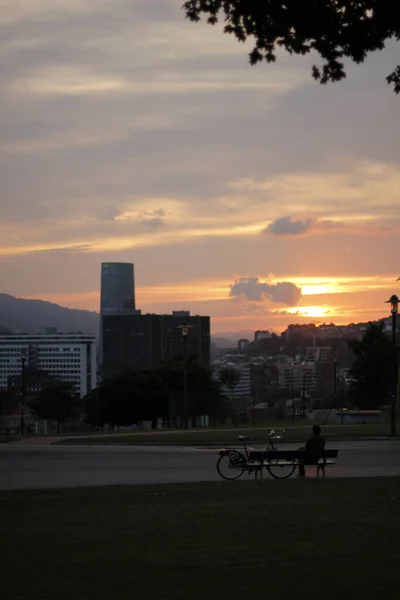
(320, 288)
(309, 311)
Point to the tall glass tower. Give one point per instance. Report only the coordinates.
(117, 295)
(117, 288)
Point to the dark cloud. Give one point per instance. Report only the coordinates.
(255, 290)
(289, 226)
(152, 223)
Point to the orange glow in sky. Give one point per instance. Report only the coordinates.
(310, 311)
(212, 297)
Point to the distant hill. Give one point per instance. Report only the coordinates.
(4, 330)
(222, 342)
(229, 339)
(33, 316)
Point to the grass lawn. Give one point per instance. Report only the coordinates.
(298, 433)
(332, 539)
(4, 439)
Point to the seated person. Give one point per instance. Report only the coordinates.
(315, 449)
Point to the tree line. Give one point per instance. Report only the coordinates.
(129, 398)
(133, 397)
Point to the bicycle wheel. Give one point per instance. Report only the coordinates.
(281, 471)
(231, 465)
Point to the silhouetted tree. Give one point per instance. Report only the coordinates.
(373, 367)
(126, 399)
(230, 378)
(56, 401)
(335, 30)
(136, 396)
(95, 406)
(8, 402)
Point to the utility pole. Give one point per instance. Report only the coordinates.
(184, 333)
(23, 360)
(304, 395)
(185, 380)
(254, 404)
(293, 407)
(334, 377)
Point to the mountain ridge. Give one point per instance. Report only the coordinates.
(34, 315)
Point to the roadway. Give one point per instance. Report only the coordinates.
(56, 466)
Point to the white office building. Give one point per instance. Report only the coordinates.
(296, 376)
(67, 356)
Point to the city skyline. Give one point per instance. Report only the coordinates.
(253, 195)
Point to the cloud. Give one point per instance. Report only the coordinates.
(159, 212)
(292, 227)
(341, 190)
(255, 290)
(152, 222)
(289, 226)
(154, 219)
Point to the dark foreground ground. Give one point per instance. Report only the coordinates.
(288, 539)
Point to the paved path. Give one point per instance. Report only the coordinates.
(24, 466)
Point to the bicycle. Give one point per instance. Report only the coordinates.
(232, 463)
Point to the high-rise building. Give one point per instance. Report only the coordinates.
(117, 288)
(135, 341)
(67, 356)
(117, 294)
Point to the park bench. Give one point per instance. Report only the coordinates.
(280, 464)
(282, 458)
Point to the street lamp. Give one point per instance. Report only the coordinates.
(335, 359)
(394, 309)
(293, 406)
(23, 361)
(335, 400)
(184, 334)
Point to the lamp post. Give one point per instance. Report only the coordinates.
(334, 377)
(23, 361)
(253, 397)
(335, 399)
(293, 406)
(184, 334)
(394, 309)
(304, 396)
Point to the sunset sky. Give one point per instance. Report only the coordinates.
(251, 194)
